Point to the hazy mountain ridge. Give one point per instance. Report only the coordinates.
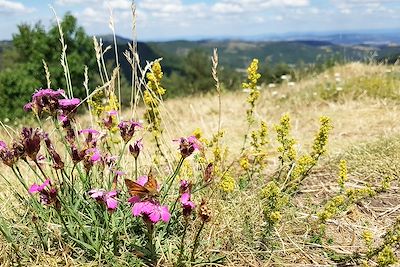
(237, 53)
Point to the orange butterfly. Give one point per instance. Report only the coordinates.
(148, 190)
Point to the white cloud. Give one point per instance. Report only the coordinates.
(7, 6)
(117, 4)
(226, 8)
(74, 2)
(242, 6)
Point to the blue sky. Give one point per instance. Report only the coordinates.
(169, 19)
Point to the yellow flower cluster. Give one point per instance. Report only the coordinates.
(303, 164)
(332, 208)
(287, 142)
(251, 84)
(321, 139)
(154, 79)
(227, 183)
(244, 163)
(151, 97)
(368, 237)
(273, 202)
(101, 102)
(386, 257)
(342, 174)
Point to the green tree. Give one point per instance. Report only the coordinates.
(25, 73)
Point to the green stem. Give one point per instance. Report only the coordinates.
(196, 242)
(172, 212)
(151, 246)
(136, 169)
(171, 179)
(19, 177)
(40, 236)
(40, 169)
(121, 154)
(179, 263)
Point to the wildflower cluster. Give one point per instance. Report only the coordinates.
(93, 165)
(321, 138)
(251, 84)
(286, 149)
(258, 146)
(342, 174)
(274, 200)
(152, 97)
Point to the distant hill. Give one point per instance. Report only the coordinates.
(237, 54)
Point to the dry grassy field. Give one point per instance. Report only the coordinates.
(362, 102)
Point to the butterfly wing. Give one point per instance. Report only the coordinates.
(151, 185)
(136, 189)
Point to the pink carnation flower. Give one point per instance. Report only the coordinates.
(35, 188)
(151, 211)
(107, 198)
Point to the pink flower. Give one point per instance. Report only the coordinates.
(142, 180)
(107, 198)
(93, 154)
(88, 131)
(69, 104)
(3, 145)
(92, 135)
(151, 211)
(120, 173)
(185, 186)
(127, 129)
(45, 100)
(48, 196)
(97, 194)
(30, 139)
(35, 188)
(187, 205)
(10, 156)
(108, 121)
(136, 148)
(48, 93)
(188, 145)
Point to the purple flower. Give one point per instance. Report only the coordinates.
(142, 180)
(35, 188)
(88, 131)
(76, 155)
(30, 139)
(136, 148)
(185, 186)
(151, 211)
(188, 145)
(47, 93)
(69, 105)
(127, 129)
(2, 145)
(44, 100)
(8, 156)
(48, 196)
(109, 120)
(92, 135)
(58, 163)
(187, 205)
(107, 198)
(93, 154)
(28, 107)
(120, 173)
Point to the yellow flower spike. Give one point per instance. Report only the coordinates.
(227, 183)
